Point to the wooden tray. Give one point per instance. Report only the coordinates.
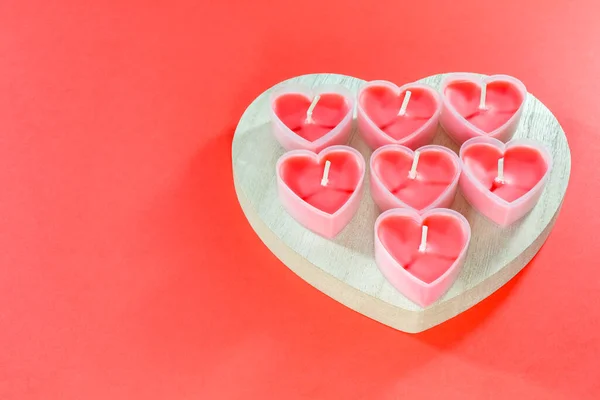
(344, 268)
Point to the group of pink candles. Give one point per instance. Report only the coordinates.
(420, 244)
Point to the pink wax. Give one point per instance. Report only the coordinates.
(303, 175)
(463, 115)
(524, 167)
(507, 196)
(502, 101)
(322, 191)
(291, 108)
(421, 254)
(382, 105)
(436, 171)
(446, 239)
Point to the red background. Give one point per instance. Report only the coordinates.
(117, 282)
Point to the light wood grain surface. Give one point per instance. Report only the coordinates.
(344, 268)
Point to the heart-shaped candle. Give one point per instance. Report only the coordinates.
(503, 181)
(321, 191)
(475, 106)
(424, 179)
(407, 115)
(311, 119)
(421, 255)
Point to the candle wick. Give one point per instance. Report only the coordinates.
(500, 177)
(309, 112)
(404, 106)
(412, 174)
(483, 95)
(423, 245)
(325, 178)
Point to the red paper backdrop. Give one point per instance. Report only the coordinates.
(127, 269)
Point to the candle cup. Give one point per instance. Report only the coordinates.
(333, 116)
(379, 105)
(463, 119)
(420, 263)
(526, 167)
(322, 197)
(434, 185)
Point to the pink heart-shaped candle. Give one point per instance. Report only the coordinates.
(383, 120)
(503, 181)
(421, 255)
(321, 191)
(465, 114)
(432, 184)
(297, 125)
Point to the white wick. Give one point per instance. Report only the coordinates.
(405, 103)
(483, 94)
(325, 178)
(412, 174)
(423, 244)
(309, 113)
(500, 178)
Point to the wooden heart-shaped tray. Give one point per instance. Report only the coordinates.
(344, 268)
